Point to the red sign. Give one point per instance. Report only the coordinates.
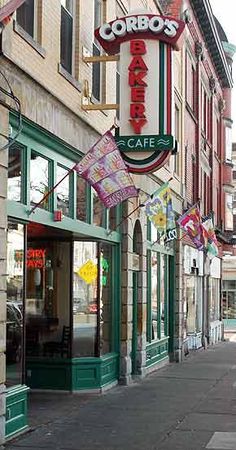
(36, 258)
(139, 26)
(137, 73)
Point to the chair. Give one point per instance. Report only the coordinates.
(62, 348)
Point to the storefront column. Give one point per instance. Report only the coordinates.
(3, 265)
(126, 308)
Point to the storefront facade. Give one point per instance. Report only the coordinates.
(82, 312)
(63, 315)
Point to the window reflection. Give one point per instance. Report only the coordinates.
(14, 322)
(92, 299)
(113, 218)
(63, 191)
(154, 269)
(85, 303)
(162, 293)
(47, 301)
(38, 179)
(81, 199)
(191, 304)
(98, 210)
(14, 173)
(105, 298)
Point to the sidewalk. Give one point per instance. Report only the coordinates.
(187, 406)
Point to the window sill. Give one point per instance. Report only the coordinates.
(22, 33)
(69, 77)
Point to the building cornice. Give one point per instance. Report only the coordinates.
(205, 18)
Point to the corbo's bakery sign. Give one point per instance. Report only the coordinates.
(145, 43)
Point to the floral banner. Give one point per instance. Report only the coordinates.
(159, 209)
(104, 169)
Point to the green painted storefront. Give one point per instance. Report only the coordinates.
(68, 373)
(85, 226)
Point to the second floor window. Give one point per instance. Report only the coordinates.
(25, 17)
(97, 67)
(66, 34)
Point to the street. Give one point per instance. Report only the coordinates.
(186, 406)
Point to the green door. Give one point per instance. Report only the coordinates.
(135, 324)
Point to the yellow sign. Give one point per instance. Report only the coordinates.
(88, 272)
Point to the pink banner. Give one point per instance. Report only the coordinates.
(104, 169)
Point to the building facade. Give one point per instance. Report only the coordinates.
(207, 163)
(92, 301)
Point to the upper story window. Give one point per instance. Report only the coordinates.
(26, 17)
(177, 136)
(15, 162)
(67, 35)
(97, 67)
(39, 179)
(190, 82)
(228, 144)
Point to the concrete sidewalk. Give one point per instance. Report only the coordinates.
(187, 406)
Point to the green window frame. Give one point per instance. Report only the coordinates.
(57, 152)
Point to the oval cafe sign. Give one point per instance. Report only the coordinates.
(145, 43)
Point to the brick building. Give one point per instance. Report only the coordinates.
(152, 300)
(207, 161)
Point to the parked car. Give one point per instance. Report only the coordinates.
(13, 332)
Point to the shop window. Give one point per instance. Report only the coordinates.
(15, 296)
(15, 160)
(193, 286)
(66, 34)
(48, 295)
(154, 296)
(25, 17)
(63, 190)
(191, 304)
(98, 210)
(85, 304)
(214, 299)
(39, 179)
(163, 299)
(92, 294)
(229, 304)
(105, 296)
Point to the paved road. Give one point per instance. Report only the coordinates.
(187, 406)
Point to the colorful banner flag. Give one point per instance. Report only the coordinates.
(210, 238)
(191, 223)
(159, 209)
(104, 169)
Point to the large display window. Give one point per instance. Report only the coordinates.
(158, 296)
(92, 299)
(15, 304)
(193, 287)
